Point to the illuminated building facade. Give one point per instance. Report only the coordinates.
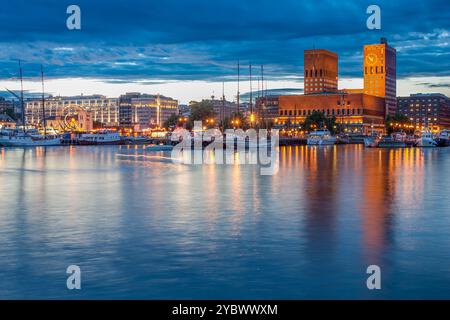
(430, 111)
(380, 75)
(267, 107)
(81, 121)
(7, 122)
(103, 110)
(358, 112)
(142, 111)
(222, 109)
(321, 71)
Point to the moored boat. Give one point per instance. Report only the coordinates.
(24, 139)
(104, 137)
(321, 138)
(443, 138)
(395, 140)
(426, 140)
(136, 140)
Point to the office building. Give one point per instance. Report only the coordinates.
(430, 110)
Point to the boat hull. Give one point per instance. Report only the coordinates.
(392, 144)
(320, 142)
(13, 142)
(426, 143)
(443, 142)
(98, 143)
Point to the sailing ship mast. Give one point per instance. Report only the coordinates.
(238, 93)
(251, 90)
(222, 113)
(44, 122)
(263, 98)
(21, 96)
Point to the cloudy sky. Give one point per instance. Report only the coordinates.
(187, 48)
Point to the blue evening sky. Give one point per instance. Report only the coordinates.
(186, 48)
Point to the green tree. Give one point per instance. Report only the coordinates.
(201, 111)
(172, 121)
(398, 122)
(318, 120)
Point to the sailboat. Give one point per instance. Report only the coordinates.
(24, 138)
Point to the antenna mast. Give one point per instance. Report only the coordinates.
(238, 93)
(223, 103)
(44, 122)
(21, 96)
(251, 93)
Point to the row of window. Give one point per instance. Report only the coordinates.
(328, 112)
(372, 70)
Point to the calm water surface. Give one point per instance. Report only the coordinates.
(141, 226)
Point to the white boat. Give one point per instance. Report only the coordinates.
(23, 139)
(395, 140)
(320, 138)
(426, 140)
(372, 140)
(100, 138)
(443, 139)
(28, 138)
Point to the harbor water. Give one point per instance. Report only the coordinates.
(141, 226)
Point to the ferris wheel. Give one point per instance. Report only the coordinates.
(69, 123)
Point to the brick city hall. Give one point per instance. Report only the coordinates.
(359, 110)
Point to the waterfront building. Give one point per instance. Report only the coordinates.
(223, 109)
(267, 107)
(139, 111)
(380, 75)
(7, 122)
(320, 71)
(79, 121)
(104, 111)
(358, 112)
(430, 110)
(5, 104)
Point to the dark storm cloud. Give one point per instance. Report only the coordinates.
(434, 85)
(202, 40)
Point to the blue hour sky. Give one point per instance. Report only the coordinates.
(186, 48)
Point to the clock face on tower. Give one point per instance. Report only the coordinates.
(371, 58)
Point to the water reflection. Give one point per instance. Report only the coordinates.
(154, 228)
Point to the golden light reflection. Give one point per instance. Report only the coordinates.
(393, 179)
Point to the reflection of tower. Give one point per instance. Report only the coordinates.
(380, 186)
(321, 202)
(158, 110)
